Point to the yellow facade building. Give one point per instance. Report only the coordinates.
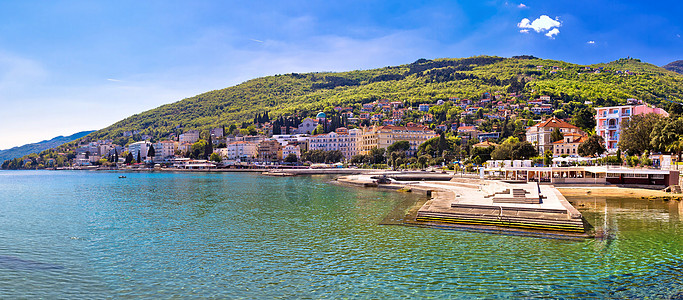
(384, 136)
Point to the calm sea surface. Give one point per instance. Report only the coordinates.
(78, 234)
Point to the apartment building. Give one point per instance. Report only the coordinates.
(384, 136)
(342, 139)
(609, 119)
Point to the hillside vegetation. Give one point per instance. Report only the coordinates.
(423, 81)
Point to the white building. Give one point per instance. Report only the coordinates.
(307, 126)
(217, 132)
(139, 147)
(165, 149)
(239, 150)
(342, 139)
(191, 137)
(539, 135)
(284, 139)
(289, 149)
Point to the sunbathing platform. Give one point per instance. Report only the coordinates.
(494, 203)
(491, 205)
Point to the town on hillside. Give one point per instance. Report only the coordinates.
(453, 133)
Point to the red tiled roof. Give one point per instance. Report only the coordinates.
(485, 144)
(555, 122)
(392, 127)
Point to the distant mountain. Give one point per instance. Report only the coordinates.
(676, 66)
(40, 146)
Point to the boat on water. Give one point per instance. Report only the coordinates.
(122, 176)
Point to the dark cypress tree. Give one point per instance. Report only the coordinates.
(151, 152)
(208, 149)
(138, 160)
(116, 155)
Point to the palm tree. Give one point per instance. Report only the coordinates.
(676, 146)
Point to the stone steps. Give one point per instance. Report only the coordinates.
(504, 220)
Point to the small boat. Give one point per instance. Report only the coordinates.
(122, 176)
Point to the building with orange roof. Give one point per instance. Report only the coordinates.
(485, 144)
(569, 145)
(539, 134)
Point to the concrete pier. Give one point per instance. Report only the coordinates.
(490, 205)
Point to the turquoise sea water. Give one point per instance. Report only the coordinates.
(78, 234)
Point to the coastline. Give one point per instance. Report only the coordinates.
(614, 191)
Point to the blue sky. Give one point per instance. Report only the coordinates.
(68, 66)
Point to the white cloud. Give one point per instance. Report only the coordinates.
(521, 5)
(113, 80)
(590, 42)
(552, 33)
(542, 24)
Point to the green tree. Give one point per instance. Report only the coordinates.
(399, 146)
(593, 145)
(523, 150)
(197, 149)
(548, 158)
(216, 157)
(318, 130)
(334, 156)
(208, 148)
(357, 159)
(666, 133)
(138, 160)
(394, 157)
(584, 118)
(635, 133)
(291, 158)
(377, 155)
(512, 148)
(556, 135)
(129, 158)
(484, 154)
(422, 160)
(150, 151)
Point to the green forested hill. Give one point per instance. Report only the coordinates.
(420, 82)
